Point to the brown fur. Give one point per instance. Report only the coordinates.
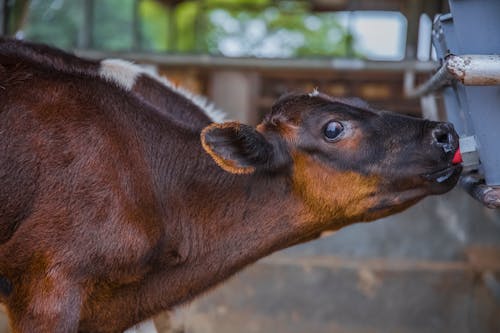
(316, 182)
(111, 211)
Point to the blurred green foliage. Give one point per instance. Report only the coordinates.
(260, 28)
(53, 22)
(112, 28)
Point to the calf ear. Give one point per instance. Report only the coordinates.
(238, 148)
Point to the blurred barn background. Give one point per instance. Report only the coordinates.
(433, 268)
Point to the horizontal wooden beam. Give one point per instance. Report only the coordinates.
(320, 64)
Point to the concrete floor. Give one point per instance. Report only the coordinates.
(433, 268)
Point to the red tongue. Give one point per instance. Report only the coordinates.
(457, 158)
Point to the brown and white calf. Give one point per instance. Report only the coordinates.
(116, 206)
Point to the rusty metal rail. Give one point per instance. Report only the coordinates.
(475, 70)
(471, 70)
(475, 186)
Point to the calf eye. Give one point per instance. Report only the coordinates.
(333, 130)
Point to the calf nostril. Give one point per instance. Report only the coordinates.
(442, 135)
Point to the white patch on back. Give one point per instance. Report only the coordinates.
(314, 93)
(120, 72)
(125, 74)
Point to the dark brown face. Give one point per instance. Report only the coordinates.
(344, 159)
(386, 161)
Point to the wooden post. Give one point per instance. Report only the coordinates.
(236, 93)
(412, 12)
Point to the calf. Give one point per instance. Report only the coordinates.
(113, 210)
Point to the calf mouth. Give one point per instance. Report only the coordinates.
(449, 168)
(443, 179)
(443, 175)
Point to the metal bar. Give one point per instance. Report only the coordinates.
(475, 186)
(441, 78)
(85, 39)
(186, 60)
(472, 70)
(475, 70)
(3, 17)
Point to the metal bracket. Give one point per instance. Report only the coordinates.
(468, 150)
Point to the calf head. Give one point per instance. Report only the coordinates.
(344, 160)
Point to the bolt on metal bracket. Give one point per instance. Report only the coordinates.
(468, 150)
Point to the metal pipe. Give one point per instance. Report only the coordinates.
(441, 78)
(475, 70)
(471, 70)
(475, 186)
